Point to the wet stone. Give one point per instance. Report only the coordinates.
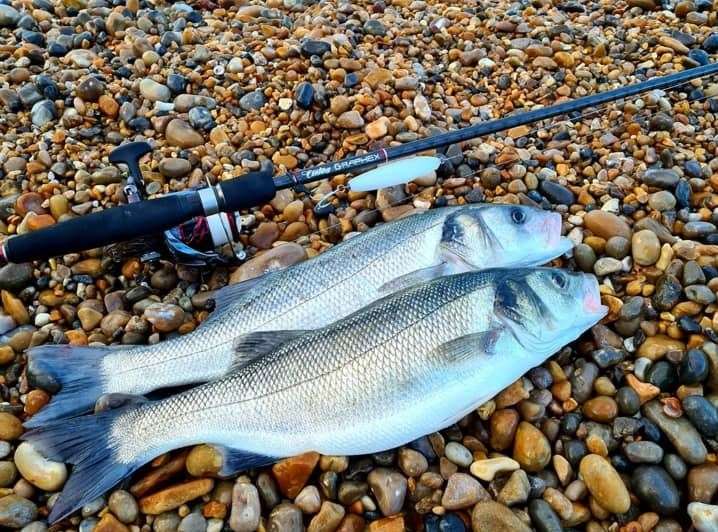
(660, 178)
(679, 431)
(123, 505)
(531, 448)
(556, 193)
(668, 292)
(607, 356)
(313, 47)
(543, 517)
(389, 488)
(656, 489)
(490, 515)
(462, 491)
(16, 511)
(193, 522)
(285, 517)
(304, 95)
(604, 483)
(252, 100)
(702, 414)
(644, 452)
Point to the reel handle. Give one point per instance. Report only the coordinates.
(130, 154)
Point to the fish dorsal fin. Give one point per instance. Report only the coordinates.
(462, 348)
(413, 278)
(258, 344)
(232, 293)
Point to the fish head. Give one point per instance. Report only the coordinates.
(546, 308)
(482, 236)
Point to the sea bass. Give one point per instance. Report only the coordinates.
(407, 365)
(305, 296)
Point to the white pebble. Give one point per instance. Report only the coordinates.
(42, 318)
(704, 516)
(45, 474)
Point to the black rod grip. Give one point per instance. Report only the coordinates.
(104, 227)
(248, 190)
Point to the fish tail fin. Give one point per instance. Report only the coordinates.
(88, 443)
(75, 370)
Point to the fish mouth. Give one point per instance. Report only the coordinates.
(592, 298)
(551, 227)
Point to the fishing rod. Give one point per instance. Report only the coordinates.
(141, 217)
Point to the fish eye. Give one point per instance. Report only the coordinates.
(518, 216)
(559, 279)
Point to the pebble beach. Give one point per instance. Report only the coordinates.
(616, 432)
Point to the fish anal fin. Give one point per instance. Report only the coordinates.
(258, 344)
(236, 460)
(413, 278)
(464, 347)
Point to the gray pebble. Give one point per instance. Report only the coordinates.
(700, 293)
(252, 100)
(661, 178)
(582, 381)
(607, 266)
(675, 466)
(458, 454)
(681, 433)
(166, 522)
(644, 452)
(193, 522)
(16, 511)
(286, 517)
(123, 505)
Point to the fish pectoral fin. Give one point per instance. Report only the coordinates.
(460, 349)
(258, 344)
(111, 401)
(236, 460)
(413, 278)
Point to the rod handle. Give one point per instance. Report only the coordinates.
(96, 229)
(248, 190)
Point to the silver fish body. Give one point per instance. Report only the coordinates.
(409, 364)
(305, 296)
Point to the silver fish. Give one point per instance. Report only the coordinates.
(305, 296)
(407, 365)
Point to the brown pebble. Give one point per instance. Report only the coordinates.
(605, 484)
(606, 224)
(531, 448)
(175, 496)
(502, 428)
(388, 524)
(293, 473)
(159, 475)
(109, 523)
(602, 409)
(10, 427)
(493, 516)
(702, 483)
